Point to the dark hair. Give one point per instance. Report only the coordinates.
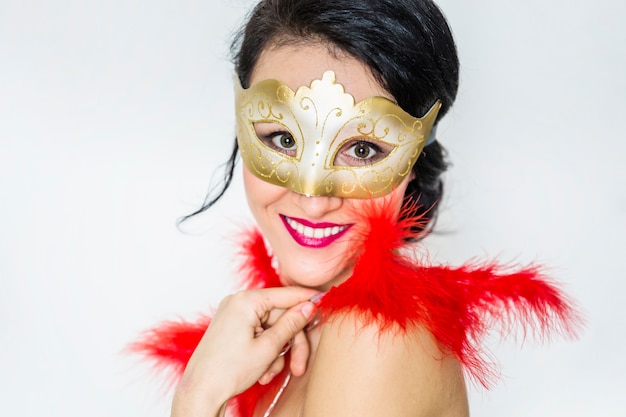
(407, 44)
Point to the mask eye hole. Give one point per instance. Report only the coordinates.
(277, 137)
(361, 152)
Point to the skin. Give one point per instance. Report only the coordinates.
(309, 267)
(344, 367)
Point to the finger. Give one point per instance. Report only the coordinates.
(286, 327)
(275, 368)
(263, 302)
(283, 297)
(273, 316)
(299, 354)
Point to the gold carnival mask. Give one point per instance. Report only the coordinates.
(321, 120)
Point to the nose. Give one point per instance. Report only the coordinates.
(315, 207)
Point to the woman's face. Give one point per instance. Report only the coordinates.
(310, 236)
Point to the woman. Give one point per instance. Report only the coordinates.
(336, 106)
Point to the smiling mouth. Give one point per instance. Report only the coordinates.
(312, 235)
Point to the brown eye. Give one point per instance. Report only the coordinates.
(361, 150)
(283, 140)
(276, 137)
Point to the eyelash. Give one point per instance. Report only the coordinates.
(268, 139)
(378, 155)
(348, 160)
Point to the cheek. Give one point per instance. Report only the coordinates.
(392, 201)
(259, 193)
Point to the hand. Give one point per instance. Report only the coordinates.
(242, 346)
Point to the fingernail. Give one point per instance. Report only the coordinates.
(266, 379)
(317, 297)
(307, 309)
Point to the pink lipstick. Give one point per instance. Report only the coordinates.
(313, 235)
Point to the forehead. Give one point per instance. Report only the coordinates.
(296, 65)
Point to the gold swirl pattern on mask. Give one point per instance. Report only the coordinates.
(322, 118)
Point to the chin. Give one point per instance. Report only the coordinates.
(312, 276)
(318, 268)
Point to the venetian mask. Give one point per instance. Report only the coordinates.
(314, 125)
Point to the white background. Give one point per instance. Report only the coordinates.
(114, 114)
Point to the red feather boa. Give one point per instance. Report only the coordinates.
(394, 288)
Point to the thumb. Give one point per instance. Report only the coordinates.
(287, 326)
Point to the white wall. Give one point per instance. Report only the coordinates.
(114, 114)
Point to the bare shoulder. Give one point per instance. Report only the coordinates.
(359, 371)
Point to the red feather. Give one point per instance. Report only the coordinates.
(256, 264)
(390, 286)
(396, 289)
(169, 345)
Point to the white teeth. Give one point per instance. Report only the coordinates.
(317, 232)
